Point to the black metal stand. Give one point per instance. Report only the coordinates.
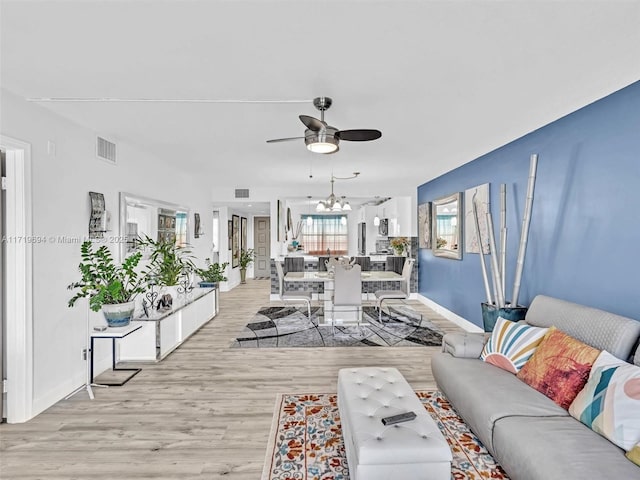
(113, 364)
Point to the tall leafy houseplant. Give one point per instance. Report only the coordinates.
(110, 287)
(246, 258)
(168, 262)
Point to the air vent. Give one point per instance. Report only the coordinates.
(242, 193)
(106, 150)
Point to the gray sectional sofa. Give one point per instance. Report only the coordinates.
(526, 432)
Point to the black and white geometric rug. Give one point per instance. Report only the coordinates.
(285, 327)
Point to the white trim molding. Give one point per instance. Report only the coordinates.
(19, 271)
(449, 315)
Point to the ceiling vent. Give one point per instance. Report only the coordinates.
(242, 193)
(106, 150)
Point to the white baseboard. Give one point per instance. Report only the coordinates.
(53, 396)
(449, 315)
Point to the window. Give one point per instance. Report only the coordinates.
(181, 229)
(326, 232)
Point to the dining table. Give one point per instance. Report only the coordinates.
(334, 315)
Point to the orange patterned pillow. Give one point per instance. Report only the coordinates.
(560, 367)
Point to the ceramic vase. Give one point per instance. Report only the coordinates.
(118, 314)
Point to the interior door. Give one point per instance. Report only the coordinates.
(262, 246)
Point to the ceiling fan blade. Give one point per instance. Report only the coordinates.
(275, 140)
(312, 123)
(358, 135)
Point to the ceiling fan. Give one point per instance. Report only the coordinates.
(323, 138)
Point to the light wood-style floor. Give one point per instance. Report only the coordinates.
(204, 412)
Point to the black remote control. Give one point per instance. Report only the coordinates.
(402, 417)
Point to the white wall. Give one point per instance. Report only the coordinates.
(60, 186)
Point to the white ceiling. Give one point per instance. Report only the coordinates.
(445, 81)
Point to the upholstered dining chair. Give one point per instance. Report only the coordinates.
(332, 262)
(402, 294)
(347, 292)
(294, 296)
(364, 262)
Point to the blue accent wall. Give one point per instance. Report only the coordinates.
(584, 239)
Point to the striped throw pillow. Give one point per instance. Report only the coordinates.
(511, 344)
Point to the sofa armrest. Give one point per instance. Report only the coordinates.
(464, 345)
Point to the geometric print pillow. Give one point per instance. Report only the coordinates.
(511, 344)
(609, 404)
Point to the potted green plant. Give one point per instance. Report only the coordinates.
(109, 286)
(168, 263)
(213, 274)
(246, 257)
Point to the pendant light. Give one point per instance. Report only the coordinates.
(376, 219)
(334, 203)
(309, 218)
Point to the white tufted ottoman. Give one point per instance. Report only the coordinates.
(414, 450)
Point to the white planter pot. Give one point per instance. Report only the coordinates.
(118, 314)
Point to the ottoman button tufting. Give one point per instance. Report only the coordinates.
(402, 455)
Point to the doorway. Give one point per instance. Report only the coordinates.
(3, 283)
(262, 246)
(17, 309)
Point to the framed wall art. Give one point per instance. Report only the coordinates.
(229, 235)
(243, 234)
(279, 213)
(481, 194)
(424, 225)
(235, 253)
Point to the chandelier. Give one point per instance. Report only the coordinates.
(334, 203)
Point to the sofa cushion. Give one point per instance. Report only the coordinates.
(482, 394)
(511, 344)
(634, 454)
(598, 328)
(560, 367)
(557, 448)
(609, 403)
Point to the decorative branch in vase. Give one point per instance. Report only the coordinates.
(295, 234)
(400, 245)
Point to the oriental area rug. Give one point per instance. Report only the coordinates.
(306, 440)
(283, 327)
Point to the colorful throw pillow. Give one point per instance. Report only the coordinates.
(511, 344)
(560, 367)
(634, 454)
(609, 404)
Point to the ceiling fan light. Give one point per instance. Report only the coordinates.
(322, 147)
(322, 142)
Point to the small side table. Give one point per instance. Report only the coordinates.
(114, 333)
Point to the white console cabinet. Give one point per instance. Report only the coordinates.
(164, 331)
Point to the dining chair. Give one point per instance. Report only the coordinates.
(402, 294)
(293, 296)
(347, 289)
(332, 262)
(293, 264)
(364, 262)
